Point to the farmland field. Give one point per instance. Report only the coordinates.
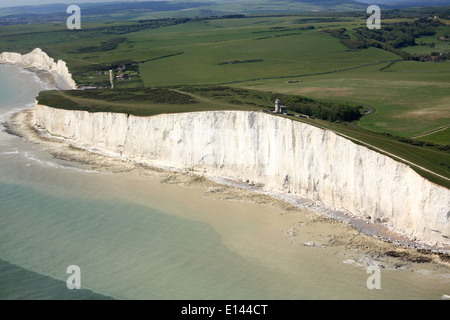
(409, 98)
(293, 54)
(440, 137)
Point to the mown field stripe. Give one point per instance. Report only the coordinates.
(308, 74)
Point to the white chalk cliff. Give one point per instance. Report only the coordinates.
(281, 154)
(38, 59)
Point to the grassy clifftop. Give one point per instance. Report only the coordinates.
(153, 101)
(428, 159)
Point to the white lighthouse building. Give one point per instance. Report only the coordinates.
(279, 108)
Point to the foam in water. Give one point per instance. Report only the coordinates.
(10, 152)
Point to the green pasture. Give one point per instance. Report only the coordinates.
(265, 55)
(153, 101)
(441, 137)
(409, 98)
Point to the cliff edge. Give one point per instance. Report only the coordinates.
(38, 59)
(277, 153)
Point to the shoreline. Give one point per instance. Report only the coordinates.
(370, 238)
(50, 71)
(49, 79)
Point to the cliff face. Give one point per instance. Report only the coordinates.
(40, 60)
(281, 154)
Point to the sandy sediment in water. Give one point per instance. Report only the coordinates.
(382, 245)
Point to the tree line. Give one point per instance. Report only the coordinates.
(330, 111)
(400, 34)
(391, 37)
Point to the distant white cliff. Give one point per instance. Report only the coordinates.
(40, 60)
(278, 153)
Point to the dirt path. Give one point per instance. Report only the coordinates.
(431, 132)
(207, 100)
(371, 110)
(308, 74)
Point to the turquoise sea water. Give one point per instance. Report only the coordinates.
(137, 240)
(17, 89)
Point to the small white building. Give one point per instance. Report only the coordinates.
(279, 108)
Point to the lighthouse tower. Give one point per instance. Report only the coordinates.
(277, 106)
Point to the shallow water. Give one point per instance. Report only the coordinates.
(136, 238)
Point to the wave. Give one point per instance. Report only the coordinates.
(52, 164)
(8, 113)
(9, 152)
(45, 84)
(39, 161)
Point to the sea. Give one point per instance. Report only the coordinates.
(133, 237)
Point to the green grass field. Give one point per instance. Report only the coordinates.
(288, 54)
(441, 137)
(409, 98)
(153, 101)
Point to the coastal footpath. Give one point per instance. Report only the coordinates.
(39, 60)
(276, 154)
